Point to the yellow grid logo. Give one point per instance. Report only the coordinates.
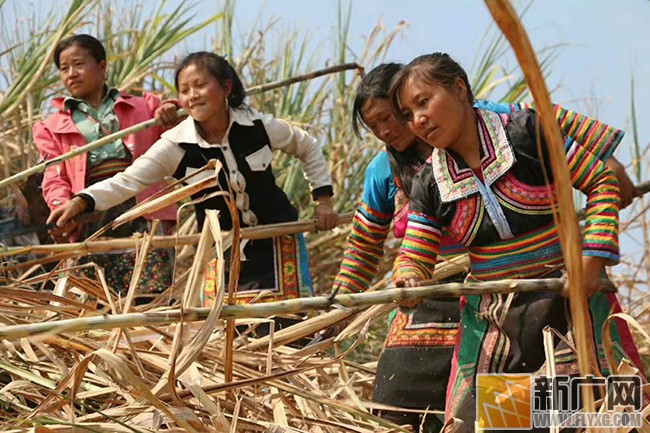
(503, 401)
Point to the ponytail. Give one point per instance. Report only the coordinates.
(237, 91)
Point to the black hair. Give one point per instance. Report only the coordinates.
(88, 42)
(375, 85)
(405, 165)
(219, 68)
(430, 68)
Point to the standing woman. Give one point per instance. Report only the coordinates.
(92, 110)
(220, 126)
(487, 186)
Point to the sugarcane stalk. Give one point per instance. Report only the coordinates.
(292, 306)
(233, 283)
(258, 232)
(569, 231)
(309, 76)
(83, 149)
(310, 326)
(92, 247)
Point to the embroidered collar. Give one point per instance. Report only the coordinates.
(187, 131)
(454, 179)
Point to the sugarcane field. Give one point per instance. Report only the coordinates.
(329, 216)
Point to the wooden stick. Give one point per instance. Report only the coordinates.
(285, 307)
(568, 229)
(92, 247)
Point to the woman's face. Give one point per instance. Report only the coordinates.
(379, 118)
(202, 95)
(81, 74)
(435, 113)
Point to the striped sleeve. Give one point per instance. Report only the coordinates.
(590, 175)
(597, 181)
(370, 226)
(365, 248)
(421, 244)
(419, 250)
(599, 138)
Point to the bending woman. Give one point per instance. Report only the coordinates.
(487, 186)
(414, 366)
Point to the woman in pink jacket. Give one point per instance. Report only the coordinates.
(92, 111)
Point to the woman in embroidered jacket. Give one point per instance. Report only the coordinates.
(415, 364)
(486, 184)
(93, 110)
(220, 126)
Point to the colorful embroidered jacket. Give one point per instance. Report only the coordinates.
(506, 222)
(382, 201)
(370, 227)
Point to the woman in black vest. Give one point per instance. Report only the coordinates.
(220, 126)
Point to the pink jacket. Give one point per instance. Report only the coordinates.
(57, 134)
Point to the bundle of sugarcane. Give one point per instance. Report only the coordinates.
(95, 382)
(168, 377)
(153, 376)
(67, 366)
(83, 358)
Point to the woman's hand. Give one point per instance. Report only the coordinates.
(166, 116)
(592, 273)
(62, 234)
(326, 216)
(63, 217)
(627, 189)
(408, 303)
(592, 270)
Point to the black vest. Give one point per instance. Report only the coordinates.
(267, 201)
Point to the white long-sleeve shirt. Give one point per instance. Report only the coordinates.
(164, 157)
